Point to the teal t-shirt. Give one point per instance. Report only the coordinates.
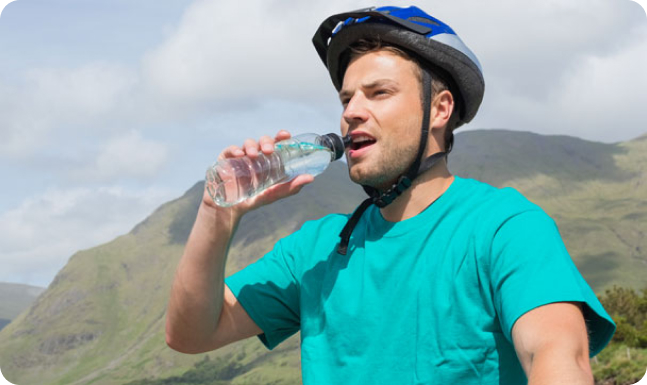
(428, 300)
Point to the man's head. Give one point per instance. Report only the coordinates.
(382, 98)
(436, 58)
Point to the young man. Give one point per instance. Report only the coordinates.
(436, 279)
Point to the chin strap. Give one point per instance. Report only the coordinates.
(404, 181)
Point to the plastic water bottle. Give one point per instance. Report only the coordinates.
(233, 180)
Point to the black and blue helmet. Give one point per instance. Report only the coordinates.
(413, 30)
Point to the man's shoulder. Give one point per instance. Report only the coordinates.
(484, 199)
(485, 192)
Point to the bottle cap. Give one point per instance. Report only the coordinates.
(336, 144)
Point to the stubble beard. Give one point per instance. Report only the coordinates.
(383, 172)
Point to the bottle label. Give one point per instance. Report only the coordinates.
(302, 145)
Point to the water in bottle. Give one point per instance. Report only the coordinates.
(233, 180)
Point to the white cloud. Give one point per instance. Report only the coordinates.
(46, 229)
(526, 49)
(594, 102)
(56, 101)
(599, 97)
(222, 50)
(74, 95)
(126, 156)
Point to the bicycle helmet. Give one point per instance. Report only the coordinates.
(415, 31)
(427, 38)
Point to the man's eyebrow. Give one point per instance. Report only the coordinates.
(374, 84)
(378, 83)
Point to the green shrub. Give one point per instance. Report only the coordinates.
(624, 361)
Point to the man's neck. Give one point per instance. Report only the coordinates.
(424, 191)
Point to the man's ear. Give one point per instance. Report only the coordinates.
(441, 109)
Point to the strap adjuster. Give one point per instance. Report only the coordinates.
(384, 199)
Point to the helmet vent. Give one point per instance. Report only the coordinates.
(337, 27)
(423, 20)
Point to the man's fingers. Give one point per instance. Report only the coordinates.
(231, 152)
(251, 148)
(302, 180)
(282, 135)
(266, 144)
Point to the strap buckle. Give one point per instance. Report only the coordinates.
(384, 199)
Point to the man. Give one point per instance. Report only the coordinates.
(436, 279)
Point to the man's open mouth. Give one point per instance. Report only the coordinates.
(361, 141)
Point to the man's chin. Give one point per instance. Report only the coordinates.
(366, 179)
(357, 175)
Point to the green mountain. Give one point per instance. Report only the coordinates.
(14, 298)
(102, 319)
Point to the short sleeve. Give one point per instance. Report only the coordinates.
(530, 267)
(268, 291)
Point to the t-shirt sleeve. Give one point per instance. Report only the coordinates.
(531, 267)
(268, 291)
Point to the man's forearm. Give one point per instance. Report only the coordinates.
(197, 293)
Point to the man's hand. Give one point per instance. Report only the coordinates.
(253, 149)
(552, 344)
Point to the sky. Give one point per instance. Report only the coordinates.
(110, 108)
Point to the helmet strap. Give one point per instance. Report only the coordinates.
(405, 180)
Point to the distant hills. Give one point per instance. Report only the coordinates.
(102, 319)
(14, 298)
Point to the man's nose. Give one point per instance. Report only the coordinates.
(355, 111)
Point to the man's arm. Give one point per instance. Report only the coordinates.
(202, 313)
(552, 344)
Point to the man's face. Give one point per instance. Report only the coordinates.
(382, 113)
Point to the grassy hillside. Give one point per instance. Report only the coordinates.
(102, 319)
(14, 298)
